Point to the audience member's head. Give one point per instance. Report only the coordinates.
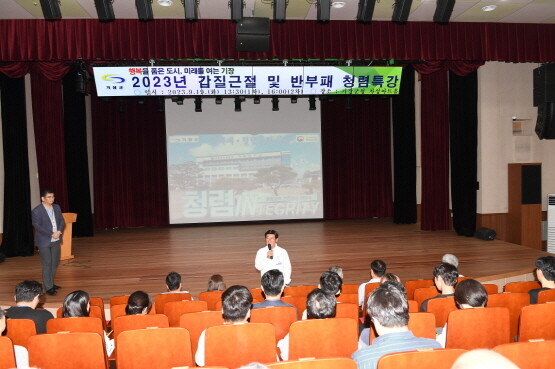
(337, 269)
(388, 307)
(470, 293)
(320, 305)
(445, 277)
(28, 292)
(216, 283)
(390, 277)
(236, 304)
(2, 321)
(377, 268)
(450, 259)
(483, 359)
(254, 366)
(330, 282)
(173, 282)
(546, 270)
(76, 304)
(272, 283)
(138, 303)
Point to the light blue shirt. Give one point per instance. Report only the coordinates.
(367, 357)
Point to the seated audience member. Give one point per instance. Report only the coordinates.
(272, 283)
(390, 277)
(21, 353)
(331, 282)
(173, 283)
(236, 309)
(27, 294)
(337, 269)
(216, 283)
(469, 294)
(138, 304)
(389, 310)
(377, 270)
(545, 271)
(319, 305)
(77, 304)
(445, 279)
(364, 337)
(451, 259)
(483, 359)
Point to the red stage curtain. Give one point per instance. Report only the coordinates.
(435, 151)
(125, 39)
(356, 158)
(48, 121)
(130, 171)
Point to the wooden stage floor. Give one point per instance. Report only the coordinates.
(119, 262)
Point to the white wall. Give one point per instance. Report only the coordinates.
(505, 91)
(32, 152)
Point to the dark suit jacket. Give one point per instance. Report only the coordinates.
(43, 225)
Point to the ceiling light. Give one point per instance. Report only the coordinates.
(165, 2)
(338, 4)
(489, 8)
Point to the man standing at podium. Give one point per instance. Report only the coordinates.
(49, 225)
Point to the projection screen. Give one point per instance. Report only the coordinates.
(256, 164)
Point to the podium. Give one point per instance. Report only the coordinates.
(65, 253)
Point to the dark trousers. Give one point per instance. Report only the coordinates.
(49, 259)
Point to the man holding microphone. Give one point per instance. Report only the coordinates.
(272, 256)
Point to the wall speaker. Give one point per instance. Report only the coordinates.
(104, 10)
(279, 10)
(144, 10)
(323, 8)
(444, 10)
(253, 34)
(365, 10)
(51, 9)
(401, 11)
(531, 185)
(236, 7)
(545, 123)
(544, 84)
(485, 234)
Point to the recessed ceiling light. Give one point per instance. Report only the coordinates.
(489, 8)
(165, 2)
(338, 4)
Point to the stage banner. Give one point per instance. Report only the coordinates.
(238, 80)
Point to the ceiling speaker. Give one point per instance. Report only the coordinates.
(279, 10)
(51, 9)
(144, 10)
(236, 10)
(444, 10)
(104, 10)
(191, 10)
(401, 11)
(365, 10)
(323, 8)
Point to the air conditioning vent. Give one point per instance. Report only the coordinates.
(551, 223)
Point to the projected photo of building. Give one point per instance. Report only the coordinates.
(248, 177)
(246, 166)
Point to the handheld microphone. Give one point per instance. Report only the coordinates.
(270, 248)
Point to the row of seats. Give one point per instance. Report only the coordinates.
(535, 323)
(526, 355)
(163, 348)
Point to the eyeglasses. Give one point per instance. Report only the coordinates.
(50, 197)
